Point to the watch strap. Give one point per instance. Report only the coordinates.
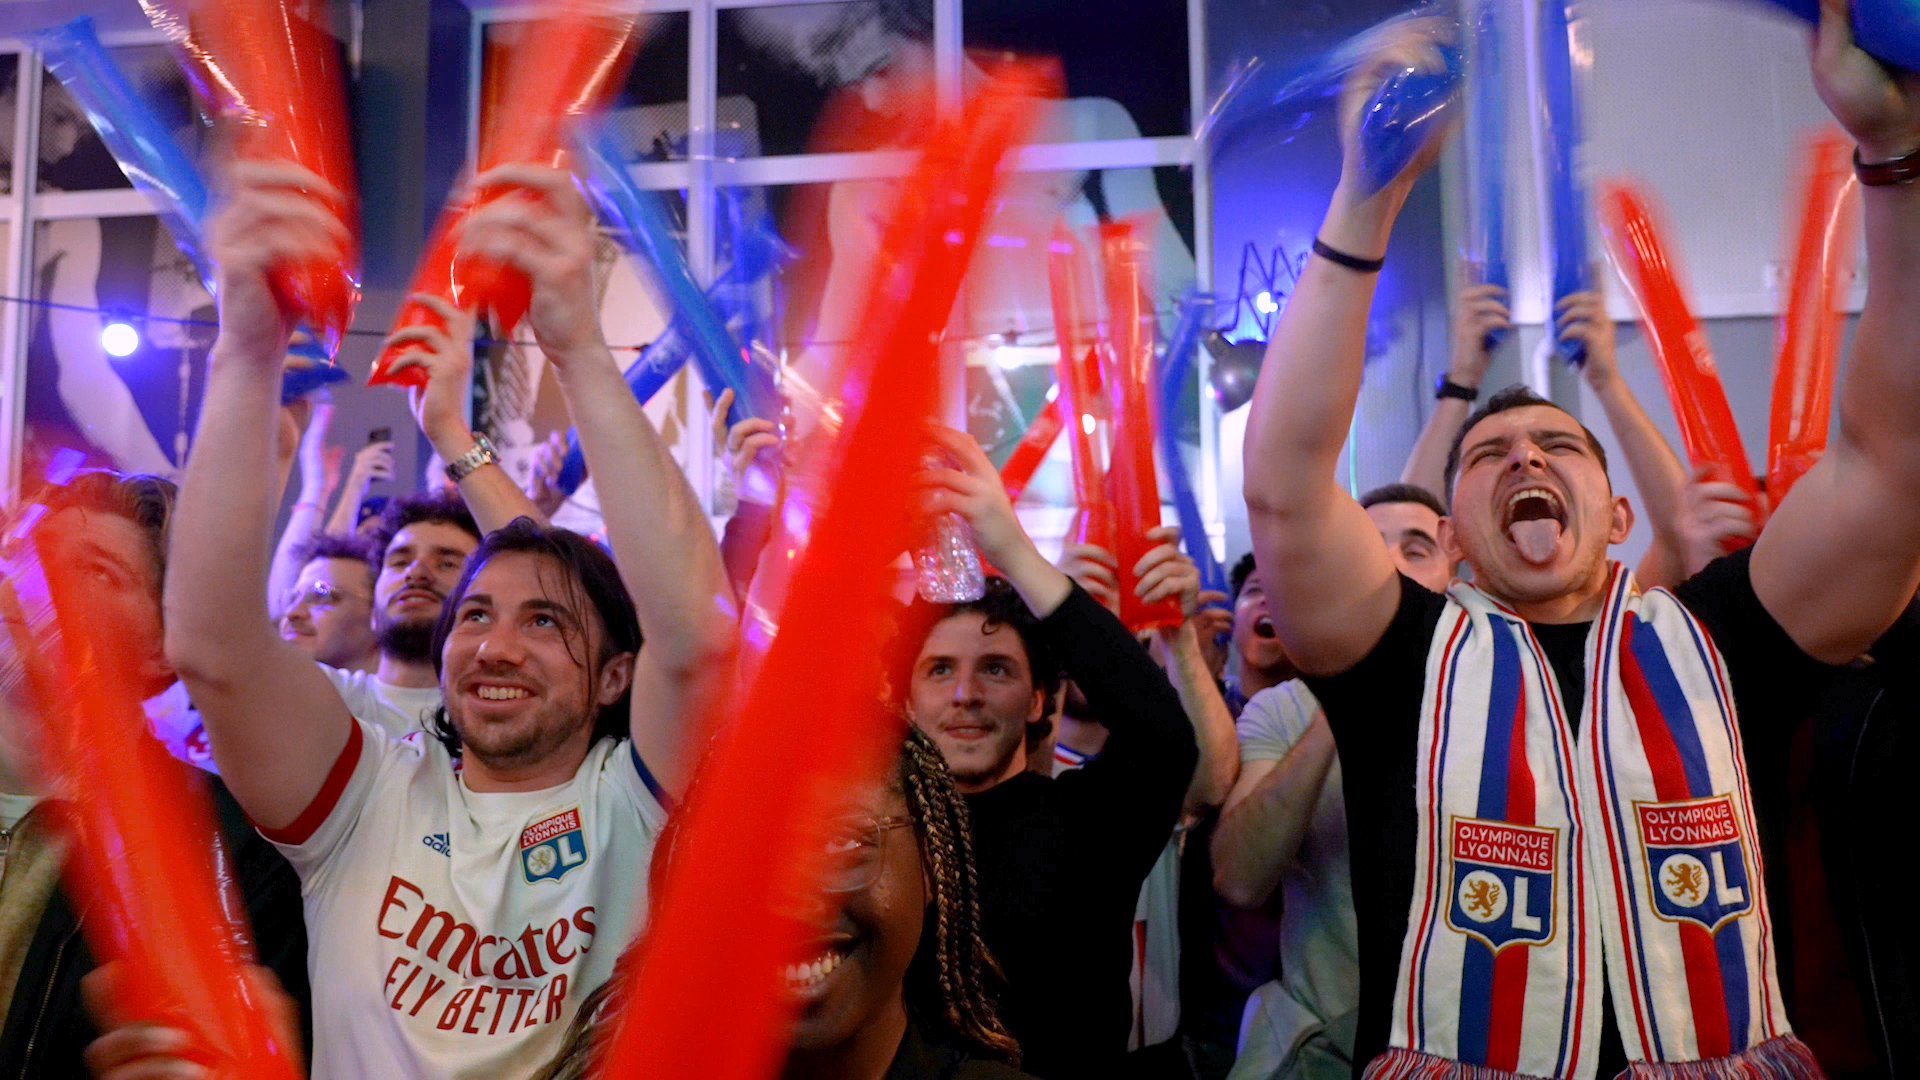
(1447, 388)
(481, 455)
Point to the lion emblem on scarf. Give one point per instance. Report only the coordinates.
(1482, 898)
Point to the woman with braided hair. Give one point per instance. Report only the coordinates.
(899, 984)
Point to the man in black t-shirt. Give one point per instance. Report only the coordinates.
(1533, 514)
(1060, 860)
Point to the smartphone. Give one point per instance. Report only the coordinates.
(380, 434)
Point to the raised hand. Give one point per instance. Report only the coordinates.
(1714, 514)
(746, 441)
(1479, 310)
(271, 212)
(1095, 569)
(440, 407)
(1878, 107)
(972, 489)
(543, 229)
(543, 472)
(1400, 44)
(1166, 571)
(1583, 317)
(371, 462)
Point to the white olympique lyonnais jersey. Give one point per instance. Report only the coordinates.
(401, 710)
(455, 932)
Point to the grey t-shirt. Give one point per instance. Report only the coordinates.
(1319, 939)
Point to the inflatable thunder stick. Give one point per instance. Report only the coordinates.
(140, 144)
(1136, 486)
(566, 66)
(433, 276)
(1078, 374)
(1812, 321)
(143, 863)
(1174, 368)
(1887, 29)
(1556, 137)
(554, 78)
(271, 72)
(709, 999)
(1487, 157)
(1679, 345)
(1032, 448)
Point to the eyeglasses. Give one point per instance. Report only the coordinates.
(855, 851)
(319, 594)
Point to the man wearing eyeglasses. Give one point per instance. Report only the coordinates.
(329, 615)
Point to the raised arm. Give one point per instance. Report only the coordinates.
(1166, 571)
(1334, 589)
(1267, 815)
(1841, 556)
(1478, 311)
(275, 724)
(1656, 469)
(319, 468)
(371, 462)
(665, 548)
(440, 409)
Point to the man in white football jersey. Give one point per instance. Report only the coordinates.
(464, 888)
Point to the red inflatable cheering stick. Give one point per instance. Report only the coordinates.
(1813, 321)
(271, 72)
(709, 999)
(1136, 486)
(573, 57)
(144, 863)
(570, 61)
(1079, 376)
(1679, 345)
(1032, 448)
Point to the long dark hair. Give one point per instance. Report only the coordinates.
(590, 572)
(952, 981)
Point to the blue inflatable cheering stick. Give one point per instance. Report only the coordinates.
(1563, 193)
(1487, 140)
(1175, 364)
(156, 166)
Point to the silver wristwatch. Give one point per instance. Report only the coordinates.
(482, 454)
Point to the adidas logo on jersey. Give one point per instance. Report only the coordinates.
(438, 842)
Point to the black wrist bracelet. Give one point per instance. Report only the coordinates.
(1351, 262)
(1900, 170)
(1447, 388)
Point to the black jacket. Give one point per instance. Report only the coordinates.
(1061, 861)
(47, 1029)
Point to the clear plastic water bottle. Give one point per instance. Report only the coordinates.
(947, 566)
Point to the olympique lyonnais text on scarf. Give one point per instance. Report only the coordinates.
(1539, 854)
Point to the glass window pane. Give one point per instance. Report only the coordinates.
(780, 67)
(649, 114)
(1125, 61)
(134, 412)
(72, 157)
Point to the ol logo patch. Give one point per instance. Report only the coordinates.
(1503, 881)
(551, 847)
(1696, 860)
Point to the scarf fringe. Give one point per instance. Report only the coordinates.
(1782, 1058)
(1399, 1063)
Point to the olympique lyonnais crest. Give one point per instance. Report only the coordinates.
(1696, 860)
(551, 847)
(1503, 881)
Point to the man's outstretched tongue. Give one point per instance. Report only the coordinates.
(1536, 539)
